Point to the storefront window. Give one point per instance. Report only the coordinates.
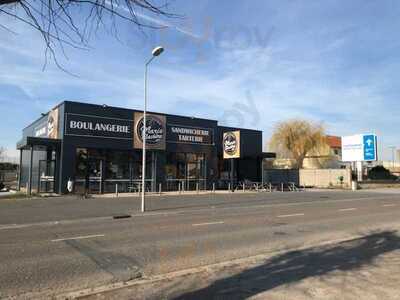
(185, 166)
(118, 165)
(171, 166)
(81, 163)
(137, 166)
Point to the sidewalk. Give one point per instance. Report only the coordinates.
(176, 193)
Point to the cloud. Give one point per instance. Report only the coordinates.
(157, 21)
(309, 66)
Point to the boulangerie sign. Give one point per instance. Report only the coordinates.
(94, 126)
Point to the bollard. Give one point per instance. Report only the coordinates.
(244, 187)
(213, 187)
(179, 187)
(116, 190)
(229, 187)
(159, 189)
(270, 187)
(282, 186)
(197, 187)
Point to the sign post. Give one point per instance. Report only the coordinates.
(231, 175)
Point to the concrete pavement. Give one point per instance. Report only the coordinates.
(65, 252)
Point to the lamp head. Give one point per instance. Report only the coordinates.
(157, 51)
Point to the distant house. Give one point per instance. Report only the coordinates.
(328, 156)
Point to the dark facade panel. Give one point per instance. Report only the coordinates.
(250, 141)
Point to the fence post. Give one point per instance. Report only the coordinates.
(116, 190)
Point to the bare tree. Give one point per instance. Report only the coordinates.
(72, 22)
(295, 138)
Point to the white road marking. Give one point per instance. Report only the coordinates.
(347, 209)
(13, 226)
(292, 215)
(388, 205)
(210, 223)
(78, 237)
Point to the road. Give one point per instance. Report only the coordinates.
(49, 246)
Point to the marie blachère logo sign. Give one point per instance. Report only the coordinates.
(95, 126)
(231, 144)
(155, 131)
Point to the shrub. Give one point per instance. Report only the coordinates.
(380, 172)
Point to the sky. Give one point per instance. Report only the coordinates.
(244, 63)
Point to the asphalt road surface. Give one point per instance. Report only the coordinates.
(49, 246)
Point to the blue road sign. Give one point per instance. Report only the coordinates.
(369, 142)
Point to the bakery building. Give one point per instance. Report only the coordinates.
(99, 148)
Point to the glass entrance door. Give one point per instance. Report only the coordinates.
(88, 171)
(46, 176)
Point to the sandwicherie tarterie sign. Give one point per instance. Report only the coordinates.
(85, 125)
(189, 135)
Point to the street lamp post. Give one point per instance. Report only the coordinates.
(156, 52)
(393, 155)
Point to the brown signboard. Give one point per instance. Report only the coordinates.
(52, 124)
(231, 144)
(155, 131)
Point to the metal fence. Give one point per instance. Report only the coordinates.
(8, 176)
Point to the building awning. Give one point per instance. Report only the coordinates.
(31, 141)
(267, 155)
